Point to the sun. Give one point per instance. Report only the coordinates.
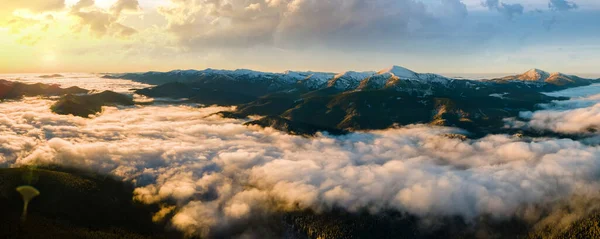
(49, 60)
(105, 3)
(49, 57)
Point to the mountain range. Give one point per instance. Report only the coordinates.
(10, 90)
(540, 76)
(308, 102)
(349, 80)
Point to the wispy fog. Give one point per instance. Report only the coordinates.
(84, 80)
(578, 115)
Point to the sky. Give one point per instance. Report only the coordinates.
(439, 36)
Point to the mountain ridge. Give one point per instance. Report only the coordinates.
(535, 75)
(308, 102)
(350, 79)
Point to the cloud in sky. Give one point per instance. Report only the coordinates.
(509, 10)
(87, 13)
(36, 6)
(292, 22)
(219, 171)
(561, 5)
(101, 22)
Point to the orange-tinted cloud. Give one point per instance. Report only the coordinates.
(32, 5)
(103, 22)
(242, 23)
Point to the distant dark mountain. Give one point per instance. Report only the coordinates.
(272, 81)
(86, 105)
(51, 76)
(74, 100)
(16, 90)
(360, 100)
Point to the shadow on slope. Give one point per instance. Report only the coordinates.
(74, 204)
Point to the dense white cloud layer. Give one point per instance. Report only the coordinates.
(93, 82)
(219, 171)
(569, 121)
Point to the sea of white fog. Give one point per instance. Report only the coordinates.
(83, 80)
(218, 170)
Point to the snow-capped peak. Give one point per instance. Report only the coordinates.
(354, 75)
(290, 72)
(349, 80)
(309, 78)
(297, 74)
(213, 71)
(536, 70)
(301, 75)
(247, 72)
(399, 72)
(323, 76)
(184, 71)
(534, 75)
